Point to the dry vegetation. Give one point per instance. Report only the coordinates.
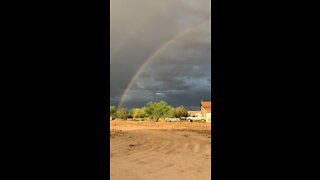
(122, 124)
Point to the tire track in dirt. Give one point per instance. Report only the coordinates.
(156, 154)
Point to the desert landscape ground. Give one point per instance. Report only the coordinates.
(160, 150)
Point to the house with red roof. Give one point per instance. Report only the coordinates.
(205, 107)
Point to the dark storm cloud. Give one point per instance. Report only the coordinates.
(180, 74)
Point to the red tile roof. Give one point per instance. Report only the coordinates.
(207, 106)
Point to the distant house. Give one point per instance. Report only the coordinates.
(205, 111)
(205, 107)
(194, 114)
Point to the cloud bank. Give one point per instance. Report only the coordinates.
(181, 72)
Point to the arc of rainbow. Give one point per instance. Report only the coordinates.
(155, 53)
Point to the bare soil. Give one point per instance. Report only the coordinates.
(160, 150)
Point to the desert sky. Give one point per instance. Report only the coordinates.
(160, 50)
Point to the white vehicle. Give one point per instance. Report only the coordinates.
(193, 119)
(172, 119)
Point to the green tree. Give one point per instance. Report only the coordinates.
(156, 110)
(180, 112)
(137, 113)
(122, 113)
(113, 111)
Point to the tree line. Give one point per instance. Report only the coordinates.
(152, 110)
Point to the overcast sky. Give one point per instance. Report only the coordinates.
(179, 31)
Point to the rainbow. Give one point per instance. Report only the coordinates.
(155, 53)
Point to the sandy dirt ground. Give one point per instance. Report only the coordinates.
(160, 150)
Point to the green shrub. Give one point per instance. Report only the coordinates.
(156, 110)
(123, 113)
(113, 111)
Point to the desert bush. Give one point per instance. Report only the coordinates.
(137, 113)
(180, 112)
(122, 113)
(113, 111)
(156, 110)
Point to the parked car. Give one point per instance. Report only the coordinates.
(195, 119)
(172, 119)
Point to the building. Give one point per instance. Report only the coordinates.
(205, 107)
(194, 114)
